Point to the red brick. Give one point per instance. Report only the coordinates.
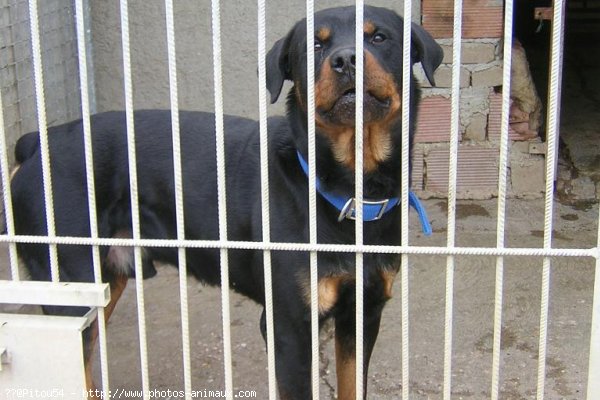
(481, 18)
(495, 120)
(433, 121)
(477, 169)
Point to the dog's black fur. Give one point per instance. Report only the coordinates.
(334, 65)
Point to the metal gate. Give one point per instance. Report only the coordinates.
(95, 296)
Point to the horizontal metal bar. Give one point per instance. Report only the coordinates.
(55, 293)
(593, 252)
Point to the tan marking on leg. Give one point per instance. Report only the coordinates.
(345, 364)
(388, 277)
(327, 289)
(116, 290)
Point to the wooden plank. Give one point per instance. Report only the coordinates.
(55, 293)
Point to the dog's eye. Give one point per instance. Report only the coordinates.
(378, 38)
(318, 44)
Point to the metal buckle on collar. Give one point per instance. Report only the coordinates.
(349, 210)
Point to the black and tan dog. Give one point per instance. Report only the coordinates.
(335, 106)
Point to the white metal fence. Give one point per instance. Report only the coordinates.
(547, 252)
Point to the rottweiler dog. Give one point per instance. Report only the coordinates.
(335, 58)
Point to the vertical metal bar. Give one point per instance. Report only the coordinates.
(312, 196)
(452, 173)
(179, 208)
(593, 385)
(264, 175)
(7, 198)
(405, 272)
(82, 54)
(133, 188)
(358, 169)
(87, 37)
(43, 133)
(502, 185)
(222, 194)
(553, 127)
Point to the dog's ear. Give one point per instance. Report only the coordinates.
(278, 66)
(428, 52)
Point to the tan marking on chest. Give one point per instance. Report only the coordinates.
(328, 289)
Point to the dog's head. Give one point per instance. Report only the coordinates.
(335, 59)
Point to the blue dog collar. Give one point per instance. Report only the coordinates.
(414, 201)
(373, 210)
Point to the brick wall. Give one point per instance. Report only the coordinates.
(481, 18)
(480, 109)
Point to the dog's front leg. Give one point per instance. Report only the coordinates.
(292, 355)
(345, 348)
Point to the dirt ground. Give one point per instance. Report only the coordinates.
(568, 338)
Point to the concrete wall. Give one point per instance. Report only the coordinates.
(194, 51)
(59, 60)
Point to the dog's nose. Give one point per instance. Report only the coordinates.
(343, 61)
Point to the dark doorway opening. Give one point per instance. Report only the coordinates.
(578, 179)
